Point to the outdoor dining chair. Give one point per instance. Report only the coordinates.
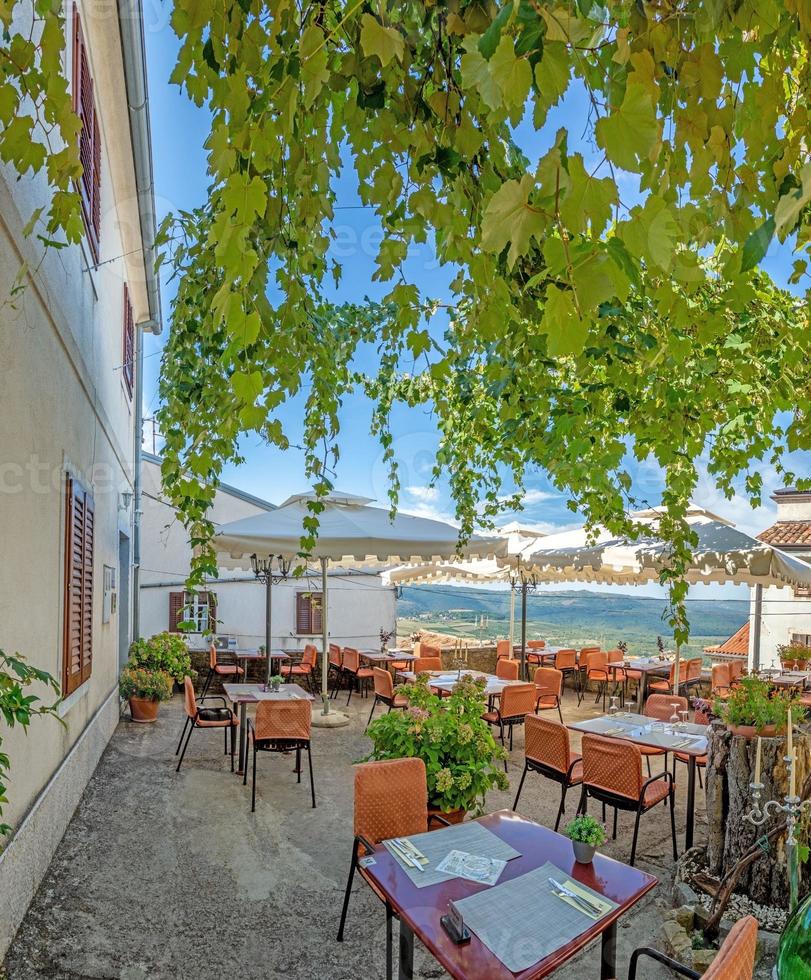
(216, 669)
(735, 959)
(423, 664)
(353, 671)
(533, 648)
(507, 670)
(597, 670)
(700, 718)
(336, 660)
(736, 668)
(566, 663)
(721, 681)
(547, 751)
(548, 687)
(281, 726)
(200, 716)
(660, 707)
(391, 800)
(384, 692)
(612, 775)
(429, 650)
(305, 668)
(516, 702)
(504, 648)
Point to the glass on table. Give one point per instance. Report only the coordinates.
(612, 708)
(684, 714)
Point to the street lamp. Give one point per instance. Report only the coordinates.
(264, 572)
(523, 581)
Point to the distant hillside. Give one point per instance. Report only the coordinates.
(567, 617)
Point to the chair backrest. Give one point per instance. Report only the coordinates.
(427, 650)
(310, 655)
(736, 957)
(212, 656)
(720, 676)
(517, 700)
(701, 716)
(547, 742)
(615, 656)
(335, 656)
(660, 706)
(503, 649)
(422, 664)
(613, 765)
(694, 666)
(283, 719)
(595, 660)
(584, 651)
(507, 670)
(735, 669)
(384, 686)
(549, 679)
(565, 659)
(536, 644)
(351, 659)
(391, 799)
(189, 702)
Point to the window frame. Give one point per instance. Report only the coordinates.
(311, 622)
(88, 184)
(79, 575)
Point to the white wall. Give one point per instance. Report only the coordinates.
(782, 616)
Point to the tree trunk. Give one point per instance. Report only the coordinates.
(730, 770)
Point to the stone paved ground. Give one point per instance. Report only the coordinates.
(165, 876)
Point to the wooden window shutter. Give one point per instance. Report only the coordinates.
(84, 104)
(177, 600)
(315, 611)
(78, 625)
(308, 612)
(209, 599)
(128, 369)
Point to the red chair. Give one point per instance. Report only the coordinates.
(384, 692)
(280, 726)
(548, 685)
(226, 671)
(516, 702)
(199, 716)
(353, 670)
(612, 775)
(547, 751)
(507, 670)
(735, 959)
(305, 668)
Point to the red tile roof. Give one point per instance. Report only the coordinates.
(787, 534)
(737, 644)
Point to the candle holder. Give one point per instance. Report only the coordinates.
(792, 806)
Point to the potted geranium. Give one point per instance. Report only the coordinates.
(753, 708)
(449, 734)
(144, 689)
(586, 835)
(163, 651)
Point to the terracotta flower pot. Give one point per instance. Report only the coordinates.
(745, 731)
(144, 710)
(583, 852)
(452, 816)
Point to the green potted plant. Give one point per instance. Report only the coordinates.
(461, 755)
(586, 835)
(276, 682)
(795, 654)
(752, 708)
(144, 689)
(163, 651)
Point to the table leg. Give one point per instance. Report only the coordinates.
(406, 968)
(642, 692)
(691, 801)
(243, 731)
(608, 951)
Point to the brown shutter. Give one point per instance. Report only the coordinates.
(316, 599)
(308, 612)
(78, 624)
(89, 138)
(177, 601)
(128, 369)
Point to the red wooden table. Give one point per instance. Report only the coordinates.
(419, 909)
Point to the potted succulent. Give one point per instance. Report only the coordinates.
(276, 682)
(144, 689)
(753, 708)
(461, 755)
(586, 835)
(794, 654)
(163, 651)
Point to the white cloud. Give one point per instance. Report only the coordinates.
(423, 493)
(747, 518)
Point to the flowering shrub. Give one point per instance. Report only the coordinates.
(163, 651)
(457, 746)
(138, 682)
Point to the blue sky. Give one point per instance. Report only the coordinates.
(178, 131)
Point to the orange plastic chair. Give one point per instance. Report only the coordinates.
(535, 645)
(507, 670)
(199, 716)
(735, 959)
(516, 702)
(596, 669)
(566, 663)
(305, 667)
(427, 650)
(612, 774)
(736, 668)
(503, 649)
(391, 800)
(352, 669)
(548, 685)
(692, 675)
(666, 686)
(384, 692)
(281, 726)
(721, 680)
(547, 751)
(336, 660)
(217, 669)
(423, 664)
(660, 707)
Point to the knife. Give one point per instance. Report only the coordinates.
(592, 907)
(404, 856)
(406, 844)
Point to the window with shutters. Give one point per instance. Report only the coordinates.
(84, 104)
(78, 626)
(198, 612)
(128, 369)
(308, 612)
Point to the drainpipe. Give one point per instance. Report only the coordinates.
(137, 439)
(757, 619)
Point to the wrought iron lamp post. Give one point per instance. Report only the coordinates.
(264, 572)
(523, 582)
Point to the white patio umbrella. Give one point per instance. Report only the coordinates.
(350, 534)
(722, 554)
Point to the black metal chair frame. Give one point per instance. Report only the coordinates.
(231, 725)
(384, 700)
(564, 778)
(309, 675)
(283, 745)
(212, 673)
(654, 954)
(512, 720)
(620, 802)
(548, 707)
(338, 670)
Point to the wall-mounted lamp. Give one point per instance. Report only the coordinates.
(126, 500)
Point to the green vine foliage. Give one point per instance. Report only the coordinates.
(605, 306)
(17, 707)
(39, 130)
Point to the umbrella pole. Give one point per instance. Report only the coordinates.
(757, 619)
(268, 609)
(523, 631)
(324, 640)
(512, 618)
